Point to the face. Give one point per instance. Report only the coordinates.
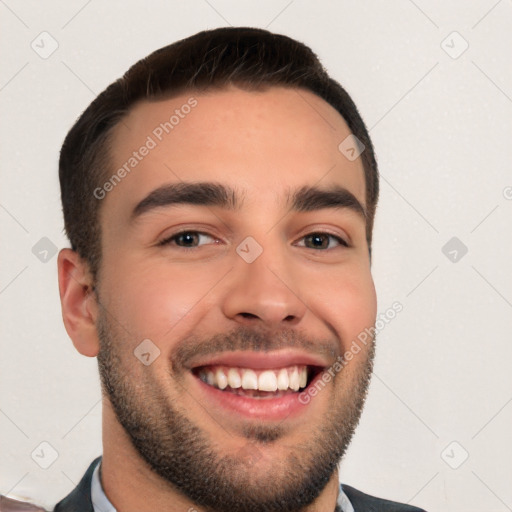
(235, 248)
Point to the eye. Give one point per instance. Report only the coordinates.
(320, 240)
(191, 240)
(186, 239)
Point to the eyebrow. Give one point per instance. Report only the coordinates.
(304, 199)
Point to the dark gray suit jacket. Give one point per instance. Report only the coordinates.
(80, 499)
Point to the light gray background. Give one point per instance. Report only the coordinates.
(442, 132)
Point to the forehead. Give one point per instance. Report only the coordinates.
(257, 141)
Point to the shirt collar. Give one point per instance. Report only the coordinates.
(99, 499)
(101, 503)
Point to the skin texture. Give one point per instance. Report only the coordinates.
(165, 445)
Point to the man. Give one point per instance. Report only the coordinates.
(219, 199)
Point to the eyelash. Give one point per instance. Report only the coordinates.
(168, 240)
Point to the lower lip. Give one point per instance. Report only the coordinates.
(275, 409)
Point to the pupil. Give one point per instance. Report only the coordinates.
(317, 238)
(187, 238)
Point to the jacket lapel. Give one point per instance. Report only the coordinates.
(79, 500)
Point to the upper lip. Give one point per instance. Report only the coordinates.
(260, 360)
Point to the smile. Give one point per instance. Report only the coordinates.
(262, 386)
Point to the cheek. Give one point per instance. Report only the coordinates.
(157, 298)
(348, 303)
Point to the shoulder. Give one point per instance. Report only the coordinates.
(364, 502)
(10, 505)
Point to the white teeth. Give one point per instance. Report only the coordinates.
(222, 380)
(292, 377)
(282, 379)
(295, 379)
(234, 379)
(303, 377)
(267, 381)
(249, 380)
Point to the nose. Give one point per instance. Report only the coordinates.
(265, 291)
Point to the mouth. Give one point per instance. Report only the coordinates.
(263, 386)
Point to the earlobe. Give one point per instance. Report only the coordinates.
(78, 302)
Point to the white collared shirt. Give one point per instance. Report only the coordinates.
(101, 503)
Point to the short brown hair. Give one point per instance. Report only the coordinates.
(248, 58)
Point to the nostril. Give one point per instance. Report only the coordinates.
(248, 315)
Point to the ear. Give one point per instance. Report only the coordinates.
(78, 302)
